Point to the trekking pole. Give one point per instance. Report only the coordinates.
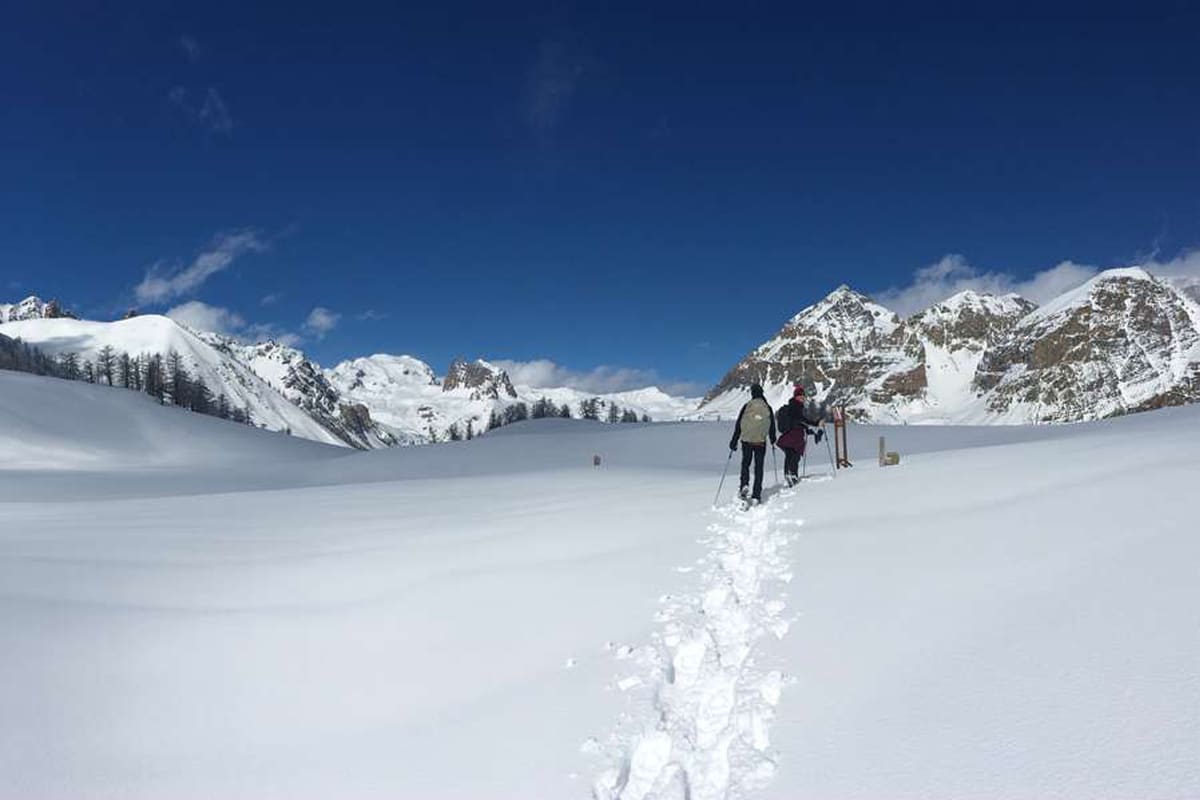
(724, 472)
(775, 463)
(832, 463)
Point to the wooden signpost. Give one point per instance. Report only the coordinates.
(842, 450)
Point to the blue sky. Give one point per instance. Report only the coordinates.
(649, 188)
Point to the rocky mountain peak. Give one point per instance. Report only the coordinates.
(480, 379)
(33, 307)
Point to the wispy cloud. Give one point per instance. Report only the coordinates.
(190, 47)
(551, 83)
(545, 374)
(163, 283)
(205, 317)
(952, 274)
(269, 299)
(209, 110)
(371, 315)
(321, 321)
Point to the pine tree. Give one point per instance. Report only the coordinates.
(88, 372)
(614, 412)
(201, 397)
(177, 382)
(125, 370)
(106, 361)
(646, 418)
(68, 364)
(565, 411)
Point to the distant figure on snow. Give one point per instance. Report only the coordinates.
(596, 460)
(755, 426)
(794, 427)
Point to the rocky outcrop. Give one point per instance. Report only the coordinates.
(1123, 342)
(479, 379)
(33, 307)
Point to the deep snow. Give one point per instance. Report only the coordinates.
(194, 609)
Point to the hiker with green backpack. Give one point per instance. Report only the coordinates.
(755, 427)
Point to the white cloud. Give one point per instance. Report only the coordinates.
(209, 111)
(543, 373)
(190, 48)
(1186, 265)
(215, 113)
(952, 274)
(371, 315)
(269, 299)
(162, 284)
(550, 85)
(321, 321)
(205, 317)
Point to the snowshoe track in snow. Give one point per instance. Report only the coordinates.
(704, 704)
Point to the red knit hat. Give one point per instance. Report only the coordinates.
(798, 390)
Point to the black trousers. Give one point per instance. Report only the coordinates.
(791, 461)
(758, 453)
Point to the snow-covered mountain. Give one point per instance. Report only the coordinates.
(220, 368)
(406, 395)
(304, 383)
(32, 307)
(1125, 341)
(371, 402)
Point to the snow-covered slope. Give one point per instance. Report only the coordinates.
(989, 619)
(1125, 341)
(302, 382)
(153, 334)
(368, 403)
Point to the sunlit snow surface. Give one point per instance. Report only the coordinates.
(194, 609)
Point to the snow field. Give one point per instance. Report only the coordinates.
(193, 609)
(707, 702)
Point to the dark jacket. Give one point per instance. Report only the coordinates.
(794, 425)
(737, 429)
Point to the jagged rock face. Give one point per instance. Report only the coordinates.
(846, 340)
(32, 307)
(483, 381)
(1124, 342)
(302, 382)
(969, 320)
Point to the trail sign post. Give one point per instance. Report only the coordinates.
(842, 450)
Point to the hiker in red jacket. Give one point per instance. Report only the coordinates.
(794, 428)
(755, 426)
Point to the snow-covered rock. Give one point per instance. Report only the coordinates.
(301, 381)
(1122, 342)
(32, 307)
(1125, 341)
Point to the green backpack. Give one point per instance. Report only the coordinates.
(756, 421)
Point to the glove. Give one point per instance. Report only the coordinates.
(819, 435)
(772, 441)
(732, 446)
